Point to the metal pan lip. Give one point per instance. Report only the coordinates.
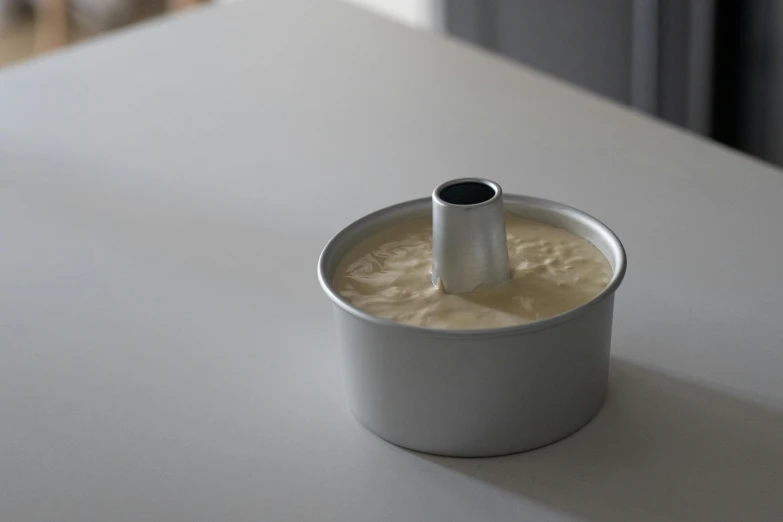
(400, 210)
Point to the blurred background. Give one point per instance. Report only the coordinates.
(30, 27)
(714, 67)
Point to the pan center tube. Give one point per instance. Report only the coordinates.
(469, 247)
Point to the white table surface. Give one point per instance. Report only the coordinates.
(166, 353)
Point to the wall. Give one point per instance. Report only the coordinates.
(415, 13)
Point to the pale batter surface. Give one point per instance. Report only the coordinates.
(553, 270)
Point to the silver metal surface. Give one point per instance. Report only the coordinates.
(476, 393)
(468, 235)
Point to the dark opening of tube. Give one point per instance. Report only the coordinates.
(467, 193)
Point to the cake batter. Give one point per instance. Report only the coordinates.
(552, 271)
